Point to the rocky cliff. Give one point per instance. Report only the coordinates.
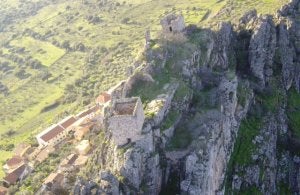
(222, 114)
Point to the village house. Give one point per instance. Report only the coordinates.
(83, 147)
(3, 190)
(126, 120)
(83, 125)
(68, 122)
(103, 98)
(16, 175)
(68, 162)
(13, 163)
(172, 23)
(54, 181)
(56, 133)
(82, 130)
(22, 149)
(88, 111)
(80, 161)
(41, 154)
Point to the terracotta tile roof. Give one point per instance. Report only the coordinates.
(44, 153)
(81, 131)
(14, 176)
(54, 178)
(103, 98)
(67, 122)
(88, 111)
(3, 190)
(81, 160)
(69, 160)
(57, 129)
(15, 160)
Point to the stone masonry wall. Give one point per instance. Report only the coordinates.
(124, 127)
(173, 23)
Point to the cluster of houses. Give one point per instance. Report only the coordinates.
(125, 118)
(72, 128)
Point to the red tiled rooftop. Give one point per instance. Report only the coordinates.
(103, 98)
(15, 160)
(3, 190)
(68, 122)
(69, 160)
(52, 133)
(13, 177)
(88, 111)
(53, 178)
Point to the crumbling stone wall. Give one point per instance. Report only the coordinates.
(173, 23)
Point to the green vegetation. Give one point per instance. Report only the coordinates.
(150, 90)
(284, 189)
(44, 52)
(243, 148)
(182, 91)
(271, 98)
(182, 138)
(68, 51)
(250, 191)
(170, 119)
(34, 181)
(294, 111)
(242, 94)
(271, 101)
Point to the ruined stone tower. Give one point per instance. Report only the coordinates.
(172, 23)
(126, 120)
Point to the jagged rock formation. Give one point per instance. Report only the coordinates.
(239, 69)
(223, 49)
(273, 167)
(262, 49)
(289, 43)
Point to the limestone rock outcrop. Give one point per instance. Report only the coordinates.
(287, 55)
(205, 169)
(222, 51)
(262, 50)
(272, 51)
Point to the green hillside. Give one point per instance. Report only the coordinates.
(56, 56)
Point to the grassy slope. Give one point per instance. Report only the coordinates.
(45, 52)
(20, 111)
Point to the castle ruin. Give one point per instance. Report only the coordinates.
(126, 120)
(172, 23)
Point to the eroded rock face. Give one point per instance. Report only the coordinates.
(287, 55)
(222, 47)
(291, 14)
(206, 162)
(262, 50)
(205, 169)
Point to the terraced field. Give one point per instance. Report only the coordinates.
(56, 56)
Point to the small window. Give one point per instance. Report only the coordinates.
(170, 28)
(231, 96)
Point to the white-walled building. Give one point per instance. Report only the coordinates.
(56, 133)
